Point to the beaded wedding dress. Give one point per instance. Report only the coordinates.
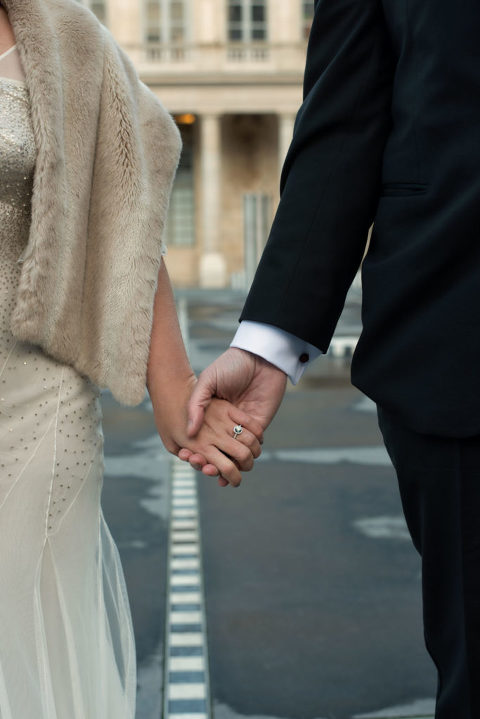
(66, 640)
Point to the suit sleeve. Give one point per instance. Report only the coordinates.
(332, 174)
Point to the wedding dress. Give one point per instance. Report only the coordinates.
(66, 641)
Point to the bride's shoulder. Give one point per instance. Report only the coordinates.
(77, 21)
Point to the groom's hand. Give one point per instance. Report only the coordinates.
(246, 380)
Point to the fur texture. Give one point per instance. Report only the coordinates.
(107, 152)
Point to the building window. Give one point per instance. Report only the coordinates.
(308, 11)
(247, 20)
(180, 230)
(166, 21)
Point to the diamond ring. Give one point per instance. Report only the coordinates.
(237, 430)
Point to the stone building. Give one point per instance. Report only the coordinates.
(231, 72)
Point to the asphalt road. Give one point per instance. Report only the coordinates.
(312, 586)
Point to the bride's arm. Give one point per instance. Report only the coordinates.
(170, 381)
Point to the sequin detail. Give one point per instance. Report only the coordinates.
(17, 161)
(50, 417)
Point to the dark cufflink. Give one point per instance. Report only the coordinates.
(304, 358)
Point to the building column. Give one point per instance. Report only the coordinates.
(213, 270)
(285, 134)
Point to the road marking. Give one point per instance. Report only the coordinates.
(178, 580)
(185, 564)
(185, 537)
(184, 501)
(186, 682)
(185, 664)
(185, 597)
(194, 639)
(187, 691)
(370, 456)
(383, 527)
(185, 548)
(185, 617)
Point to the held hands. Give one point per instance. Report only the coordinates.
(214, 442)
(227, 455)
(252, 384)
(170, 381)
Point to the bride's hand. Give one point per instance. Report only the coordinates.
(243, 447)
(220, 453)
(217, 415)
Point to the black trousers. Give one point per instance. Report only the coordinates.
(439, 480)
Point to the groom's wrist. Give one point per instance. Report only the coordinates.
(278, 347)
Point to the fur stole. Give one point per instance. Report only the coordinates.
(107, 152)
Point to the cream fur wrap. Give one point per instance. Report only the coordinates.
(107, 152)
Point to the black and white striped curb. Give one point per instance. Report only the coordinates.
(186, 685)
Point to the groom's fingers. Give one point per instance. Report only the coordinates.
(196, 415)
(201, 397)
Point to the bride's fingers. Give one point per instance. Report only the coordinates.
(227, 467)
(238, 416)
(185, 454)
(209, 470)
(249, 440)
(199, 463)
(239, 453)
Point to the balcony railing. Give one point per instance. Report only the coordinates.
(248, 52)
(232, 57)
(166, 53)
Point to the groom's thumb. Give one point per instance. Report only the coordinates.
(199, 401)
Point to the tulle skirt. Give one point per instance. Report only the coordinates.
(66, 640)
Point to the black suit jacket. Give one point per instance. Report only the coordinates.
(389, 132)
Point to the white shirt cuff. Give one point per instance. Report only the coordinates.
(286, 351)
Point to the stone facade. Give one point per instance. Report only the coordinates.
(231, 72)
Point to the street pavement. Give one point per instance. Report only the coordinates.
(312, 587)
